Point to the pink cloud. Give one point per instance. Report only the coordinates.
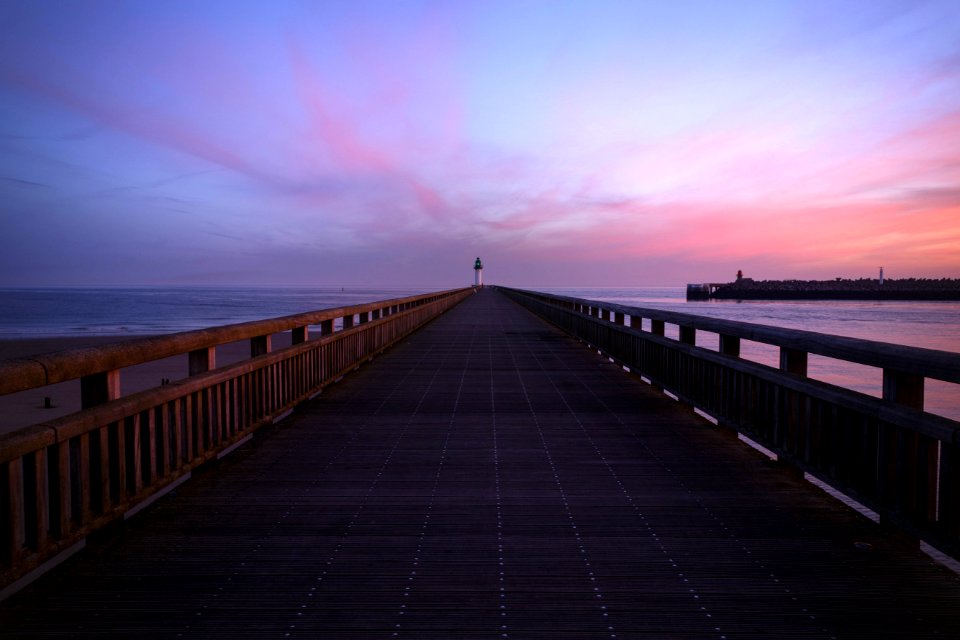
(99, 103)
(339, 145)
(919, 232)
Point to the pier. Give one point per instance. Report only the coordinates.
(489, 463)
(703, 291)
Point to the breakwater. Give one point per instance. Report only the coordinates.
(839, 289)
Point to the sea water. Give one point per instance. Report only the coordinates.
(73, 312)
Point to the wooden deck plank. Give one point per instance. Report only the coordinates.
(492, 478)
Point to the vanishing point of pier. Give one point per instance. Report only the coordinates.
(487, 476)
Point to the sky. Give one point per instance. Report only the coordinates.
(567, 143)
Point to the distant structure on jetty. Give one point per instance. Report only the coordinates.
(838, 289)
(703, 291)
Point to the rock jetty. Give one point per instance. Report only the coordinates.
(839, 289)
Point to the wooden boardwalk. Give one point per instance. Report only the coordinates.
(492, 478)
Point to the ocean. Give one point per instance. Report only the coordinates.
(75, 312)
(128, 312)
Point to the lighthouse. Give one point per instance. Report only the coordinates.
(478, 273)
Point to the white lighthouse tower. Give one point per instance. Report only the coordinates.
(478, 273)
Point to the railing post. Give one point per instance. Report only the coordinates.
(730, 345)
(910, 459)
(687, 379)
(201, 360)
(726, 382)
(636, 322)
(903, 388)
(618, 317)
(348, 321)
(260, 345)
(657, 327)
(326, 327)
(793, 361)
(63, 505)
(364, 317)
(99, 388)
(299, 335)
(17, 530)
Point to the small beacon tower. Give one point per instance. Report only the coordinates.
(478, 273)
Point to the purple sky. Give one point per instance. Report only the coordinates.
(390, 143)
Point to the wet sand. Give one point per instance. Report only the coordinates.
(22, 409)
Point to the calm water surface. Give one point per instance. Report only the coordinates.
(70, 312)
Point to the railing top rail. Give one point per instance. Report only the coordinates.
(20, 374)
(929, 363)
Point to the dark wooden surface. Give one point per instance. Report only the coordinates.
(491, 478)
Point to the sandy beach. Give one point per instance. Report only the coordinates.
(22, 409)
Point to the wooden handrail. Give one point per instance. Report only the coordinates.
(20, 374)
(68, 477)
(929, 363)
(887, 453)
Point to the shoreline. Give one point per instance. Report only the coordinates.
(26, 408)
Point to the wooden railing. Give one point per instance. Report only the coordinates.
(886, 453)
(67, 477)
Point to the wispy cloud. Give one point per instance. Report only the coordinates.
(409, 134)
